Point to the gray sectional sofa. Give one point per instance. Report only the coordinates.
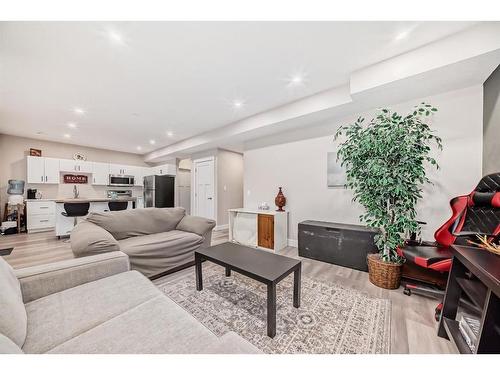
(96, 304)
(157, 240)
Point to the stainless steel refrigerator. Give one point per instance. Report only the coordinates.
(159, 191)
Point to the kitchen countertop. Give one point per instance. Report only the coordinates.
(85, 200)
(82, 200)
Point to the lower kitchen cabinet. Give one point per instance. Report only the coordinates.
(40, 215)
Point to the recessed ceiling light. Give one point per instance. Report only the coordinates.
(152, 141)
(79, 111)
(71, 125)
(138, 148)
(238, 103)
(402, 35)
(67, 135)
(115, 37)
(170, 134)
(297, 79)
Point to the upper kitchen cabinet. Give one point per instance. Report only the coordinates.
(119, 169)
(166, 169)
(68, 165)
(100, 173)
(42, 170)
(139, 173)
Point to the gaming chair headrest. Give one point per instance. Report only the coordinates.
(489, 184)
(486, 199)
(487, 192)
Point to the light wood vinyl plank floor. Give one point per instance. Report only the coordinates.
(413, 328)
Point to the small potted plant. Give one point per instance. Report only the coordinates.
(385, 168)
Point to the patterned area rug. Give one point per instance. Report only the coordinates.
(331, 319)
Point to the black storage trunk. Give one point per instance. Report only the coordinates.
(343, 244)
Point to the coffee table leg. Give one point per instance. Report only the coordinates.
(271, 310)
(228, 271)
(296, 286)
(199, 277)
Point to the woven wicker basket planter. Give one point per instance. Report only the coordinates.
(382, 274)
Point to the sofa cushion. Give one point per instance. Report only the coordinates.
(8, 347)
(89, 238)
(156, 326)
(138, 222)
(61, 316)
(160, 252)
(12, 311)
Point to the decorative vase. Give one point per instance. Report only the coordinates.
(383, 274)
(280, 200)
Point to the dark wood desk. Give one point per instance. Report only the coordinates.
(260, 265)
(483, 290)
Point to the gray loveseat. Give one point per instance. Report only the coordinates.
(157, 240)
(96, 305)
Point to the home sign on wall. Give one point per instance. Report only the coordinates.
(75, 179)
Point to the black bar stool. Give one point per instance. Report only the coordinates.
(76, 210)
(117, 206)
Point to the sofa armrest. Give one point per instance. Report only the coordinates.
(196, 224)
(40, 281)
(199, 225)
(90, 239)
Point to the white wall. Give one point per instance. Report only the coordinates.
(229, 183)
(300, 167)
(491, 130)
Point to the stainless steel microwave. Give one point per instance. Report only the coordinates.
(120, 180)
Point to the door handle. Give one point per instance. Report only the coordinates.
(209, 198)
(45, 178)
(41, 178)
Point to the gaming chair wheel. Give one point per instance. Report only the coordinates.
(407, 291)
(438, 311)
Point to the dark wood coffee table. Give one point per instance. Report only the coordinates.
(260, 265)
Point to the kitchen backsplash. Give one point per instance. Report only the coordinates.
(86, 190)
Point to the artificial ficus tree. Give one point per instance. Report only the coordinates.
(385, 165)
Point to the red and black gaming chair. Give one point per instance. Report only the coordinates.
(476, 213)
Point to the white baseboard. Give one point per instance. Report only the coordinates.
(293, 243)
(221, 227)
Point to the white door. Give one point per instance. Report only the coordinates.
(51, 171)
(204, 188)
(100, 173)
(35, 170)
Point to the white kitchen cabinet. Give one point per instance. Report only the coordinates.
(36, 170)
(40, 215)
(138, 173)
(52, 171)
(42, 170)
(120, 169)
(100, 173)
(68, 165)
(166, 169)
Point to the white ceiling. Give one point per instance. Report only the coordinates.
(178, 76)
